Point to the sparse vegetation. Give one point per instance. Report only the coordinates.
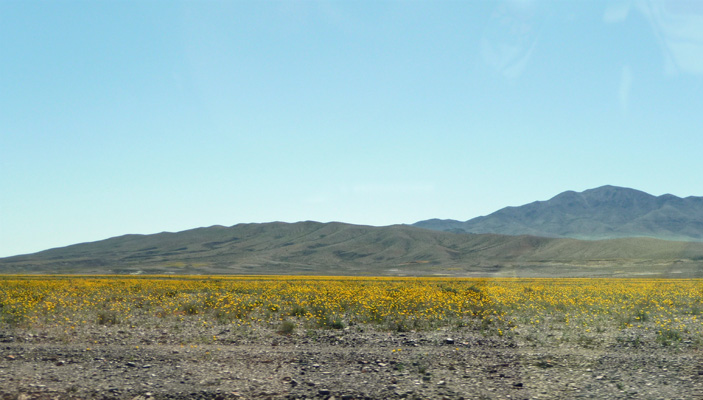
(585, 312)
(286, 327)
(430, 335)
(107, 318)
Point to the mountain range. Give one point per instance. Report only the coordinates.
(606, 212)
(536, 239)
(342, 249)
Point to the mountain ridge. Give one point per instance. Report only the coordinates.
(625, 228)
(606, 212)
(315, 248)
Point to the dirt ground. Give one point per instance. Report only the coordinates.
(354, 363)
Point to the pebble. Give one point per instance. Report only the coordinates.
(382, 381)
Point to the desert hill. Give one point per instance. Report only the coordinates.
(345, 249)
(606, 212)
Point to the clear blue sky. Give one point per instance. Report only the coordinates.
(138, 117)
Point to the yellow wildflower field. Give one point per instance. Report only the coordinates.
(581, 311)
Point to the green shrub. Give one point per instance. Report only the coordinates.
(190, 308)
(286, 328)
(298, 311)
(668, 337)
(107, 318)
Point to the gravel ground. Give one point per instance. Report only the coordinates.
(358, 363)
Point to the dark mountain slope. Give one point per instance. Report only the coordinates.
(603, 213)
